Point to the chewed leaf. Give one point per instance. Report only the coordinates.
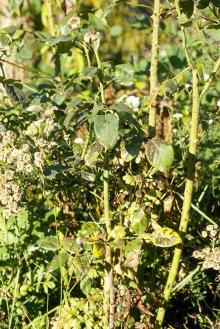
(160, 155)
(165, 237)
(132, 259)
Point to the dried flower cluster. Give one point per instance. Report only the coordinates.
(10, 194)
(45, 125)
(40, 130)
(211, 231)
(20, 159)
(210, 256)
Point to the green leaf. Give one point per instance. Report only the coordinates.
(18, 34)
(97, 22)
(139, 222)
(187, 7)
(86, 285)
(202, 4)
(130, 150)
(88, 176)
(106, 129)
(216, 3)
(124, 74)
(90, 72)
(129, 179)
(160, 155)
(48, 243)
(58, 261)
(116, 31)
(93, 154)
(26, 51)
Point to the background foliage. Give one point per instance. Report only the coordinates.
(59, 60)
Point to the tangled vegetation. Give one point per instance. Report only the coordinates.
(109, 164)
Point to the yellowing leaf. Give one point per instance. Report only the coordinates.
(98, 250)
(165, 237)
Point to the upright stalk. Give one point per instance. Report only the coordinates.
(183, 34)
(186, 202)
(109, 295)
(153, 68)
(51, 27)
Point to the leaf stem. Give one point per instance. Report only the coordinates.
(100, 83)
(208, 83)
(186, 202)
(87, 54)
(153, 68)
(15, 293)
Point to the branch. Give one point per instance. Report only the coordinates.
(208, 83)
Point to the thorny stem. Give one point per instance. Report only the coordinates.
(109, 296)
(186, 202)
(89, 134)
(153, 68)
(51, 27)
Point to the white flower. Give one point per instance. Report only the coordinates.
(25, 147)
(29, 168)
(133, 102)
(206, 76)
(163, 53)
(38, 159)
(94, 37)
(218, 103)
(6, 213)
(17, 197)
(78, 140)
(210, 121)
(74, 22)
(20, 165)
(177, 115)
(49, 112)
(26, 157)
(9, 174)
(8, 137)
